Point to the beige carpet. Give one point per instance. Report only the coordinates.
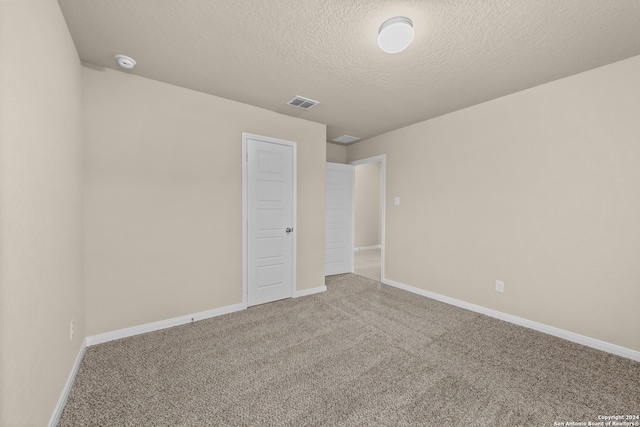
(361, 354)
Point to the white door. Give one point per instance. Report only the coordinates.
(339, 219)
(270, 233)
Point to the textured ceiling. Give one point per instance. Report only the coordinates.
(264, 52)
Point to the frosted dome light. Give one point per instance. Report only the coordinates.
(395, 34)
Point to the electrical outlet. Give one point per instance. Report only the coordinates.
(71, 330)
(499, 286)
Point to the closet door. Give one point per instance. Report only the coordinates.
(339, 220)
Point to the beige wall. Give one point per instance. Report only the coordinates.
(540, 189)
(163, 193)
(40, 210)
(336, 153)
(368, 199)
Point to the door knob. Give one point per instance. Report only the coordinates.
(289, 230)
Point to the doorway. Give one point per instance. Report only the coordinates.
(369, 214)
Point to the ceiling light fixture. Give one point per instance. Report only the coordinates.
(125, 62)
(395, 34)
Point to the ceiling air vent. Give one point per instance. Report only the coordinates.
(302, 102)
(346, 139)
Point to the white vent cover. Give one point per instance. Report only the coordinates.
(346, 139)
(302, 102)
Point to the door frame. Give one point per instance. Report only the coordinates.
(245, 205)
(380, 158)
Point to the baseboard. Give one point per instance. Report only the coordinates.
(162, 324)
(62, 401)
(541, 327)
(311, 291)
(367, 248)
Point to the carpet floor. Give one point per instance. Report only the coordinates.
(360, 354)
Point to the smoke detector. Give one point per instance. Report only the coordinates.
(302, 102)
(125, 62)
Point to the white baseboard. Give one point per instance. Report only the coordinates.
(162, 324)
(62, 401)
(556, 332)
(367, 248)
(311, 291)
